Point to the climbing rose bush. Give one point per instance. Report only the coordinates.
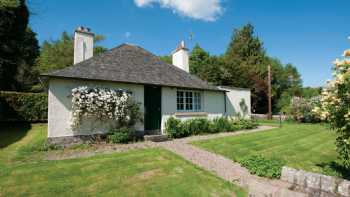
(301, 109)
(335, 105)
(103, 104)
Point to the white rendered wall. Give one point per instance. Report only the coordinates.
(180, 59)
(213, 105)
(238, 102)
(59, 116)
(81, 39)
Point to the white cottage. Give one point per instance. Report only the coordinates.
(162, 89)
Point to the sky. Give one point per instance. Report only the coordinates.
(310, 34)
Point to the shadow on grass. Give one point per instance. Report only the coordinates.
(11, 132)
(334, 168)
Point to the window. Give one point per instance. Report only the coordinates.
(188, 100)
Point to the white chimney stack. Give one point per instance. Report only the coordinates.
(83, 44)
(181, 57)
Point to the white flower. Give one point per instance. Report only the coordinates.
(99, 102)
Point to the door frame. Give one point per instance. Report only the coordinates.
(152, 125)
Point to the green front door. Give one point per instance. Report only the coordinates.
(152, 108)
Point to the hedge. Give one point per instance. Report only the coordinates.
(19, 106)
(176, 128)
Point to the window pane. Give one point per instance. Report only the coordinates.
(189, 103)
(197, 101)
(189, 106)
(180, 100)
(180, 106)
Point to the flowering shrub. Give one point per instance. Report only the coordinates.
(300, 109)
(335, 105)
(104, 104)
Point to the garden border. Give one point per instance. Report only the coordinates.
(315, 183)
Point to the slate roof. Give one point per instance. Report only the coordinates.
(132, 64)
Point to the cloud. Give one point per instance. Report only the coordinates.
(207, 10)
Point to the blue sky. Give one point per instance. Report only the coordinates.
(307, 33)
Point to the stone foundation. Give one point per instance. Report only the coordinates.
(316, 184)
(67, 141)
(156, 138)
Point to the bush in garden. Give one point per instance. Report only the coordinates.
(335, 106)
(301, 109)
(172, 127)
(195, 126)
(261, 166)
(222, 124)
(176, 128)
(246, 124)
(121, 135)
(19, 106)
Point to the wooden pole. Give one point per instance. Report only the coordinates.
(269, 92)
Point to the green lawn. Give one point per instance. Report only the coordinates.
(151, 172)
(303, 146)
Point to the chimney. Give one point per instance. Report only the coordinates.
(181, 57)
(83, 44)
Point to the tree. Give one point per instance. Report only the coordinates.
(245, 48)
(166, 58)
(213, 71)
(199, 58)
(286, 84)
(309, 92)
(245, 65)
(335, 106)
(59, 53)
(26, 75)
(18, 45)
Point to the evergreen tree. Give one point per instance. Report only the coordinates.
(26, 75)
(213, 70)
(245, 65)
(18, 45)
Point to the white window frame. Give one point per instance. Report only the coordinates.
(188, 96)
